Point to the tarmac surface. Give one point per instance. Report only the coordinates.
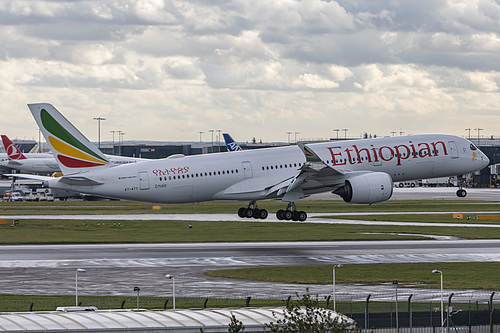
(116, 269)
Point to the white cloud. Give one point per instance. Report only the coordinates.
(312, 65)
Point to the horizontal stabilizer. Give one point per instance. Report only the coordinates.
(28, 176)
(79, 180)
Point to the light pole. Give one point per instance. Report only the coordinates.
(171, 277)
(200, 135)
(337, 130)
(137, 289)
(79, 270)
(334, 303)
(296, 136)
(442, 313)
(218, 140)
(113, 141)
(395, 282)
(120, 140)
(478, 129)
(212, 131)
(99, 129)
(345, 133)
(469, 129)
(289, 133)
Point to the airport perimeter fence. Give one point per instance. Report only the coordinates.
(419, 313)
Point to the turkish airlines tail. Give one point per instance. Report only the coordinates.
(11, 149)
(73, 151)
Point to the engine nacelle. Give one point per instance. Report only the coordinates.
(366, 188)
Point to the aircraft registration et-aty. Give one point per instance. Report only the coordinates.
(360, 171)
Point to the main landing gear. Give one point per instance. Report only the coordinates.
(291, 214)
(253, 211)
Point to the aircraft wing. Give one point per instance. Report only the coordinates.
(314, 175)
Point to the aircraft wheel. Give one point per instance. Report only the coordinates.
(256, 213)
(263, 214)
(280, 214)
(242, 212)
(302, 216)
(288, 215)
(249, 213)
(461, 193)
(295, 216)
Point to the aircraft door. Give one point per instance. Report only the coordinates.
(143, 180)
(453, 149)
(247, 169)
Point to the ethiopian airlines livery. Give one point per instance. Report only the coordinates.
(360, 171)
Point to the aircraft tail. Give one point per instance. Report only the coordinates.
(231, 145)
(12, 150)
(73, 151)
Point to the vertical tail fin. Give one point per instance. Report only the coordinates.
(231, 145)
(11, 149)
(73, 151)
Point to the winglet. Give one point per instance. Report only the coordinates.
(73, 151)
(12, 150)
(311, 156)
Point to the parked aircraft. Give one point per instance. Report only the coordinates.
(360, 171)
(30, 162)
(231, 145)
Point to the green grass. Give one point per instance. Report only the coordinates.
(471, 275)
(38, 231)
(13, 303)
(73, 231)
(422, 218)
(318, 206)
(23, 303)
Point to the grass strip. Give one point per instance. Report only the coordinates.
(470, 275)
(25, 303)
(231, 207)
(115, 231)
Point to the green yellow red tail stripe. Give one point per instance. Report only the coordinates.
(70, 151)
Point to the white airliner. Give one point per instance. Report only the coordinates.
(29, 162)
(360, 171)
(42, 163)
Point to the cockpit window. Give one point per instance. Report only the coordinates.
(472, 147)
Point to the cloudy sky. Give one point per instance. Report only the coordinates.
(168, 69)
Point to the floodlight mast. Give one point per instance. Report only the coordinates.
(79, 270)
(442, 313)
(171, 277)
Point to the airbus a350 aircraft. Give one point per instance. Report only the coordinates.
(360, 171)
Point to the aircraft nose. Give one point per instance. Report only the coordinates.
(486, 159)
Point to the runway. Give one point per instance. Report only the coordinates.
(115, 269)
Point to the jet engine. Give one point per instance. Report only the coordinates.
(366, 188)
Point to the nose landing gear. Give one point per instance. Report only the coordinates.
(461, 193)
